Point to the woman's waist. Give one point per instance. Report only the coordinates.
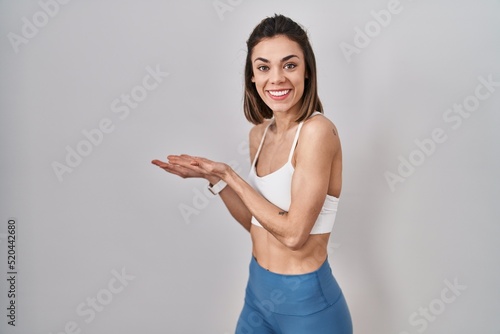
(275, 257)
(290, 266)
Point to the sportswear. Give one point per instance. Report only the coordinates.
(276, 187)
(310, 303)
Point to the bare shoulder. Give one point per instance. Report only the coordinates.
(320, 127)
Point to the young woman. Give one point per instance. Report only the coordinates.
(289, 201)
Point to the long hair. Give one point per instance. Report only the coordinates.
(254, 107)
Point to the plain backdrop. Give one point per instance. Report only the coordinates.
(82, 117)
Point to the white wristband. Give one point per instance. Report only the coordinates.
(217, 188)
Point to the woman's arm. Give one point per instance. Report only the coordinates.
(236, 207)
(180, 165)
(315, 153)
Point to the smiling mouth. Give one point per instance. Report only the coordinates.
(279, 94)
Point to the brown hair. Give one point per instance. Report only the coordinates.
(254, 107)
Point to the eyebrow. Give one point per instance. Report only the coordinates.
(282, 60)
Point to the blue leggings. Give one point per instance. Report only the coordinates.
(310, 303)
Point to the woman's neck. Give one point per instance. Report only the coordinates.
(284, 121)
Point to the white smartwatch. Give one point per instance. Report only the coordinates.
(217, 188)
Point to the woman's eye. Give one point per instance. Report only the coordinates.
(263, 68)
(290, 66)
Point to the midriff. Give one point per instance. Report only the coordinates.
(276, 257)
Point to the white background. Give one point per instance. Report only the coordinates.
(392, 250)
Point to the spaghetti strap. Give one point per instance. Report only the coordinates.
(296, 139)
(261, 143)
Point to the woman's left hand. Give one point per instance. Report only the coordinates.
(210, 167)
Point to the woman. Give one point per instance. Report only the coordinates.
(290, 200)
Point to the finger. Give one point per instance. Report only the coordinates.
(186, 157)
(185, 163)
(176, 162)
(186, 166)
(192, 157)
(179, 159)
(158, 163)
(164, 165)
(177, 170)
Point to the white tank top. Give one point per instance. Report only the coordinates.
(276, 187)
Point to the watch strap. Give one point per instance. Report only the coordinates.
(217, 188)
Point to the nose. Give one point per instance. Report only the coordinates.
(277, 75)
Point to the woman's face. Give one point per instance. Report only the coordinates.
(279, 72)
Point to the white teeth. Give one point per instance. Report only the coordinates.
(279, 92)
